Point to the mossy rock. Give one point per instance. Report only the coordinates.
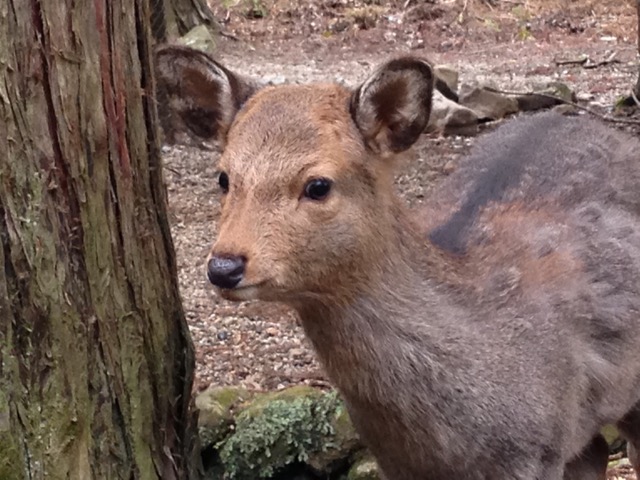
(546, 95)
(365, 468)
(558, 89)
(280, 429)
(345, 441)
(613, 438)
(200, 38)
(291, 394)
(216, 406)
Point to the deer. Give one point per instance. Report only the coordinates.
(489, 334)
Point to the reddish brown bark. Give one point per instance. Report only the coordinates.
(95, 357)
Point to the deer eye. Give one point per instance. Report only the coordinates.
(317, 188)
(223, 181)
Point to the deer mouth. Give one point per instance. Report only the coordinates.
(264, 291)
(242, 293)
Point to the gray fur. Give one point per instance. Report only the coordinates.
(481, 377)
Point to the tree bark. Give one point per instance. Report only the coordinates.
(96, 362)
(632, 100)
(636, 89)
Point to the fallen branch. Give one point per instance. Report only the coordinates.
(586, 62)
(611, 59)
(228, 35)
(580, 61)
(173, 170)
(606, 118)
(462, 14)
(406, 4)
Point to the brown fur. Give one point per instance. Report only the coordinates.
(489, 337)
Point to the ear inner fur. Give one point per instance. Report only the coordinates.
(392, 107)
(205, 94)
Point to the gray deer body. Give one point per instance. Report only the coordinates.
(538, 335)
(490, 335)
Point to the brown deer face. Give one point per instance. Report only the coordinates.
(306, 173)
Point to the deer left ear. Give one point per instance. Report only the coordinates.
(201, 91)
(392, 107)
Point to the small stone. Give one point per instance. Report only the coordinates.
(271, 331)
(487, 104)
(274, 79)
(449, 167)
(447, 114)
(223, 335)
(364, 469)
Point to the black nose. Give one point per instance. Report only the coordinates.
(226, 271)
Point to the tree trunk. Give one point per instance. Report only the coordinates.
(174, 18)
(636, 89)
(96, 363)
(632, 100)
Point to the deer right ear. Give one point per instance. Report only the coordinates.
(203, 93)
(392, 107)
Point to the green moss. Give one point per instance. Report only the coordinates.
(279, 429)
(291, 394)
(342, 424)
(216, 405)
(227, 397)
(344, 442)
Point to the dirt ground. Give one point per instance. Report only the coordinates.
(506, 43)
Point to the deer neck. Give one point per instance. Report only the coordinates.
(372, 343)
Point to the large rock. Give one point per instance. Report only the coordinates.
(449, 117)
(216, 407)
(446, 81)
(297, 425)
(448, 75)
(199, 37)
(486, 104)
(543, 96)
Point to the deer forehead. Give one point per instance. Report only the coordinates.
(293, 131)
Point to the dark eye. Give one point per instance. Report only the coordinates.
(223, 181)
(317, 188)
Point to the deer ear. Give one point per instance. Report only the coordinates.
(392, 107)
(204, 94)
